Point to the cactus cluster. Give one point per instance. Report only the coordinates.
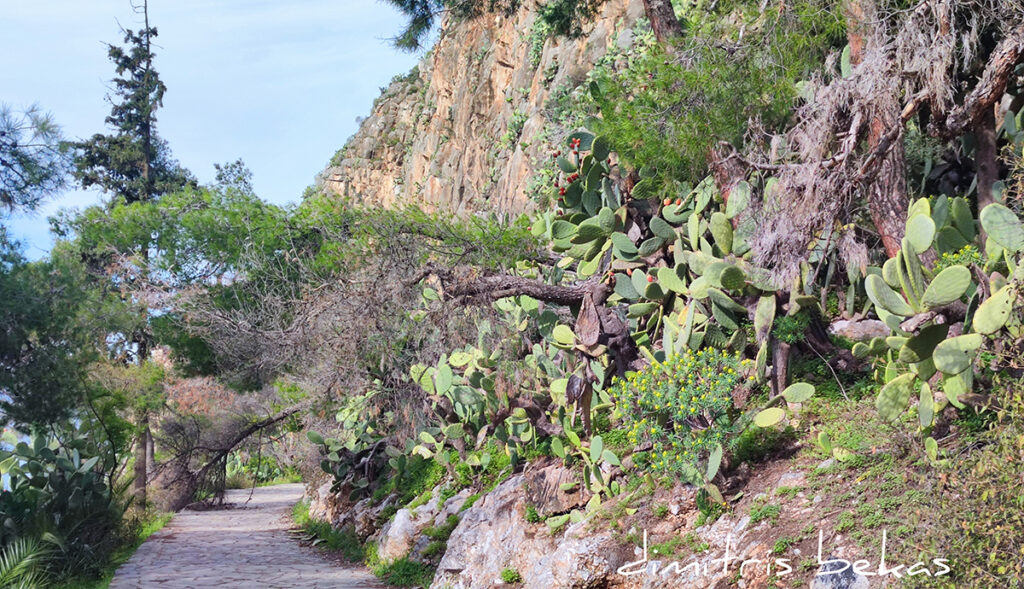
(921, 352)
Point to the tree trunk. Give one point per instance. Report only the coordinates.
(887, 196)
(887, 193)
(150, 451)
(780, 366)
(141, 451)
(663, 20)
(986, 161)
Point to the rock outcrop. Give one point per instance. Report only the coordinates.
(467, 128)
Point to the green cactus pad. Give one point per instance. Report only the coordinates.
(565, 165)
(562, 230)
(592, 201)
(925, 406)
(724, 317)
(960, 212)
(877, 345)
(798, 392)
(606, 220)
(732, 278)
(920, 346)
(676, 214)
(920, 206)
(956, 386)
(949, 240)
(721, 230)
(671, 278)
(764, 317)
(601, 148)
(912, 276)
(644, 189)
(641, 309)
(588, 231)
(955, 355)
(662, 229)
(886, 298)
(890, 272)
(920, 231)
(940, 210)
(623, 244)
(654, 292)
(739, 199)
(1003, 226)
(992, 315)
(725, 301)
(693, 229)
(895, 342)
(586, 140)
(639, 279)
(894, 397)
(948, 286)
(650, 246)
(624, 287)
(924, 369)
(699, 288)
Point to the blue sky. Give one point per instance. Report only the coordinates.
(277, 83)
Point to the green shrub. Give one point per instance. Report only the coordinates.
(58, 489)
(532, 516)
(791, 328)
(668, 108)
(683, 406)
(510, 575)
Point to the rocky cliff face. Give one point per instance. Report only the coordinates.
(468, 128)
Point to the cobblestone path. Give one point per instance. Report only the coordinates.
(247, 546)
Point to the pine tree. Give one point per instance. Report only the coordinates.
(132, 163)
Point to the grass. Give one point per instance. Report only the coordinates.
(667, 548)
(243, 481)
(404, 573)
(770, 512)
(325, 537)
(399, 573)
(150, 524)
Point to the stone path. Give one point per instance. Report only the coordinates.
(248, 546)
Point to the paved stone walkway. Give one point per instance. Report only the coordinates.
(245, 547)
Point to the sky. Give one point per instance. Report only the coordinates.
(277, 83)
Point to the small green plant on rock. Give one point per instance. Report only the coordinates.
(510, 575)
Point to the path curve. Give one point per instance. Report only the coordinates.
(248, 546)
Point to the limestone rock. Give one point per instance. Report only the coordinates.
(435, 137)
(494, 534)
(860, 331)
(397, 537)
(544, 493)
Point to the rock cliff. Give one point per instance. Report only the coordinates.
(468, 128)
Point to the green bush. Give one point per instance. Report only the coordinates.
(59, 490)
(669, 107)
(683, 406)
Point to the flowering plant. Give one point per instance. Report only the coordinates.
(683, 407)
